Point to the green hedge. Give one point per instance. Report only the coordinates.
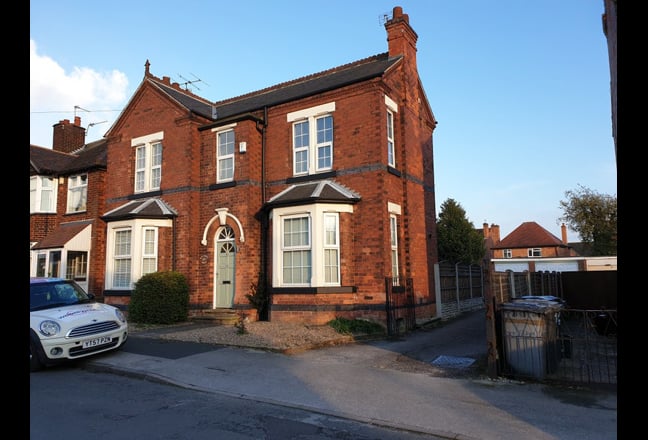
(160, 298)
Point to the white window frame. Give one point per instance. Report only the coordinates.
(331, 245)
(534, 252)
(148, 162)
(139, 252)
(149, 250)
(77, 194)
(508, 253)
(392, 108)
(303, 249)
(393, 233)
(323, 143)
(72, 259)
(77, 265)
(301, 147)
(310, 142)
(122, 260)
(42, 194)
(223, 173)
(394, 212)
(319, 245)
(40, 269)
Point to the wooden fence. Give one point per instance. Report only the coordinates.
(459, 288)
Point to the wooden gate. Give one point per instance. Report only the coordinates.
(401, 313)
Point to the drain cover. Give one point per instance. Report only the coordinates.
(453, 361)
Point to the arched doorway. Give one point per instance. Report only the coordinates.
(225, 264)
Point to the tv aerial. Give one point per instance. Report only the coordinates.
(92, 124)
(383, 18)
(191, 82)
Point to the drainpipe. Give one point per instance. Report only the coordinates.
(263, 153)
(263, 270)
(173, 244)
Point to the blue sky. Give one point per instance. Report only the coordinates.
(521, 88)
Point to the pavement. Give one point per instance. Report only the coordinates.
(422, 382)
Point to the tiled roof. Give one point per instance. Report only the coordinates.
(49, 162)
(62, 234)
(90, 156)
(145, 208)
(45, 161)
(325, 191)
(337, 77)
(186, 99)
(529, 234)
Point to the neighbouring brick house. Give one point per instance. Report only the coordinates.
(530, 247)
(319, 189)
(66, 191)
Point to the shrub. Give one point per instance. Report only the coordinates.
(160, 298)
(356, 326)
(258, 297)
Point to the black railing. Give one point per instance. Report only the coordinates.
(400, 307)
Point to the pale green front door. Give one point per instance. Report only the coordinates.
(225, 268)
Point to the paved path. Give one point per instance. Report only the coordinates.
(392, 383)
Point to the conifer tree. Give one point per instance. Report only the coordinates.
(457, 239)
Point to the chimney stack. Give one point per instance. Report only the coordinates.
(492, 232)
(68, 137)
(563, 230)
(495, 233)
(401, 38)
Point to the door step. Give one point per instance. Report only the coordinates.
(217, 316)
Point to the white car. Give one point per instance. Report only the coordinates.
(67, 323)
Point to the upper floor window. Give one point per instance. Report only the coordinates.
(391, 146)
(77, 196)
(42, 194)
(148, 162)
(508, 253)
(312, 139)
(391, 161)
(534, 252)
(225, 156)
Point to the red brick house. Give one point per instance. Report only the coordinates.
(530, 247)
(319, 189)
(66, 189)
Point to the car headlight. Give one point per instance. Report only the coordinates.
(120, 315)
(49, 328)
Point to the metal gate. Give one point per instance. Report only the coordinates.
(581, 349)
(401, 313)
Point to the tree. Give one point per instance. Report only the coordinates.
(457, 239)
(594, 217)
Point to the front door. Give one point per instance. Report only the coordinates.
(225, 268)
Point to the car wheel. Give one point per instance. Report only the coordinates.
(34, 362)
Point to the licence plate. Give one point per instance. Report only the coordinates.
(96, 342)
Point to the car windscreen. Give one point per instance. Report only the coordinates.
(47, 295)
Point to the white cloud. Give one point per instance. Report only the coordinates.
(54, 93)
